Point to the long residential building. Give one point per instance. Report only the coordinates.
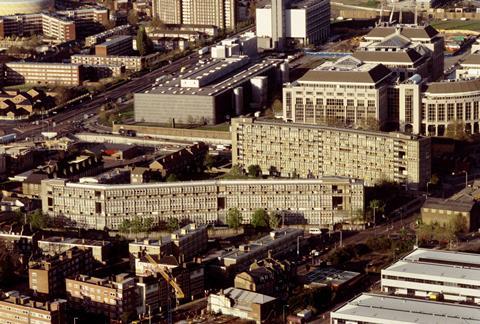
(103, 36)
(43, 73)
(63, 25)
(131, 63)
(310, 151)
(324, 201)
(219, 13)
(447, 275)
(20, 309)
(381, 309)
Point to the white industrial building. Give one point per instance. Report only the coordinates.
(381, 309)
(434, 274)
(245, 44)
(304, 22)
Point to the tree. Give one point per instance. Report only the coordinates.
(157, 23)
(144, 44)
(274, 220)
(277, 106)
(172, 178)
(236, 172)
(173, 224)
(377, 206)
(209, 161)
(458, 224)
(254, 170)
(259, 218)
(456, 130)
(38, 220)
(132, 17)
(234, 218)
(62, 95)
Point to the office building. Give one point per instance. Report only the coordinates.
(117, 45)
(441, 275)
(283, 22)
(151, 294)
(345, 92)
(245, 44)
(242, 303)
(375, 308)
(43, 73)
(279, 242)
(425, 40)
(20, 309)
(313, 151)
(210, 91)
(131, 63)
(219, 13)
(103, 36)
(56, 245)
(9, 7)
(439, 108)
(112, 298)
(184, 244)
(324, 201)
(47, 276)
(88, 21)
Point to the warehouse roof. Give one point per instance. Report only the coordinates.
(447, 204)
(376, 308)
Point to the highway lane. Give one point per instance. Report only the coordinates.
(76, 112)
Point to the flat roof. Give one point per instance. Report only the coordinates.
(375, 308)
(74, 241)
(331, 179)
(241, 296)
(426, 264)
(115, 40)
(271, 121)
(228, 81)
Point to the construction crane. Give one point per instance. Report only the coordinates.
(165, 273)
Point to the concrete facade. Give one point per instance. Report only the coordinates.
(311, 151)
(323, 201)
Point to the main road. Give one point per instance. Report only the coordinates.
(64, 120)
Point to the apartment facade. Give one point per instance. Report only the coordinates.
(441, 275)
(55, 245)
(219, 13)
(345, 92)
(112, 298)
(43, 73)
(118, 45)
(311, 151)
(19, 309)
(47, 276)
(131, 63)
(325, 201)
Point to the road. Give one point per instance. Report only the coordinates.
(65, 119)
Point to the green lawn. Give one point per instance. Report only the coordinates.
(473, 25)
(24, 87)
(224, 127)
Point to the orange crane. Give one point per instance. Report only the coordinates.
(165, 273)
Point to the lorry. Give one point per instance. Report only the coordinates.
(203, 50)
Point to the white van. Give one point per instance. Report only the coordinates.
(314, 231)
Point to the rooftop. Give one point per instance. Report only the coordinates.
(115, 40)
(212, 77)
(426, 264)
(74, 241)
(455, 86)
(447, 204)
(347, 70)
(410, 31)
(270, 121)
(389, 309)
(405, 56)
(241, 296)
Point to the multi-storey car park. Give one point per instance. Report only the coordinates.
(310, 151)
(325, 201)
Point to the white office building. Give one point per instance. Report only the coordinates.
(381, 309)
(447, 275)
